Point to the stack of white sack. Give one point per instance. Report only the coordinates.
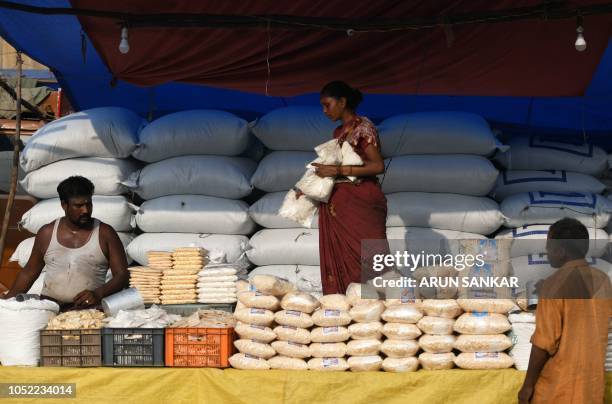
(21, 325)
(255, 316)
(437, 327)
(523, 327)
(293, 334)
(195, 187)
(482, 341)
(217, 281)
(22, 254)
(330, 334)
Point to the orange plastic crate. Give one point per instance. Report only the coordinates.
(199, 347)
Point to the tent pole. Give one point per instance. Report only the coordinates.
(15, 166)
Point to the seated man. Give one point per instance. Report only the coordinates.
(571, 335)
(77, 251)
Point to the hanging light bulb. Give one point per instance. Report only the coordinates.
(580, 43)
(124, 45)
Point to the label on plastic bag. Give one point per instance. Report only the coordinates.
(258, 311)
(295, 344)
(289, 327)
(330, 330)
(258, 327)
(480, 313)
(252, 288)
(331, 313)
(246, 355)
(328, 362)
(486, 355)
(294, 313)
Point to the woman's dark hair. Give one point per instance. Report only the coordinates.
(339, 89)
(74, 187)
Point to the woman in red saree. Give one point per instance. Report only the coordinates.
(356, 211)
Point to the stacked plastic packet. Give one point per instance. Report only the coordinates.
(217, 280)
(523, 327)
(147, 281)
(438, 339)
(180, 274)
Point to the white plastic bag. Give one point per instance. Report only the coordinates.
(329, 334)
(331, 318)
(255, 316)
(248, 362)
(271, 285)
(255, 348)
(404, 313)
(482, 343)
(482, 323)
(367, 311)
(401, 331)
(442, 361)
(395, 348)
(437, 343)
(258, 300)
(334, 302)
(363, 347)
(293, 318)
(436, 325)
(501, 306)
(255, 332)
(447, 308)
(366, 330)
(300, 301)
(299, 211)
(294, 334)
(287, 363)
(328, 364)
(291, 349)
(398, 365)
(484, 360)
(284, 246)
(365, 363)
(328, 350)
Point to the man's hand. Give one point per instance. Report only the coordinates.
(323, 170)
(86, 298)
(524, 395)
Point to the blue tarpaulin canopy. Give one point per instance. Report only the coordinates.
(57, 41)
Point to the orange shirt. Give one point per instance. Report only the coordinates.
(574, 331)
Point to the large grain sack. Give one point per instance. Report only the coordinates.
(444, 211)
(328, 364)
(232, 246)
(22, 253)
(365, 363)
(98, 132)
(396, 348)
(329, 334)
(366, 330)
(248, 362)
(255, 332)
(455, 174)
(198, 131)
(307, 278)
(447, 308)
(115, 211)
(21, 324)
(330, 318)
(401, 331)
(293, 334)
(437, 343)
(437, 132)
(398, 365)
(436, 325)
(265, 212)
(223, 177)
(107, 175)
(481, 323)
(194, 214)
(286, 363)
(501, 306)
(284, 246)
(548, 207)
(271, 285)
(432, 361)
(280, 171)
(294, 128)
(482, 343)
(402, 313)
(6, 164)
(531, 239)
(300, 301)
(416, 240)
(538, 153)
(255, 348)
(484, 360)
(328, 350)
(515, 182)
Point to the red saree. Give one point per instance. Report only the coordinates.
(354, 212)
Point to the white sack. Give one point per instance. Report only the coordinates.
(21, 324)
(483, 360)
(417, 239)
(307, 278)
(97, 132)
(294, 128)
(455, 174)
(531, 239)
(107, 175)
(279, 171)
(547, 208)
(538, 153)
(115, 211)
(223, 177)
(439, 132)
(266, 211)
(192, 132)
(233, 246)
(284, 246)
(443, 211)
(519, 181)
(194, 214)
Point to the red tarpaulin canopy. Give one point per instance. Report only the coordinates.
(517, 58)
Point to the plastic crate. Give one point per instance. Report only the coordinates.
(71, 348)
(199, 347)
(133, 346)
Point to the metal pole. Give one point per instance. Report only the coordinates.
(15, 166)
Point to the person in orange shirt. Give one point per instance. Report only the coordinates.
(571, 336)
